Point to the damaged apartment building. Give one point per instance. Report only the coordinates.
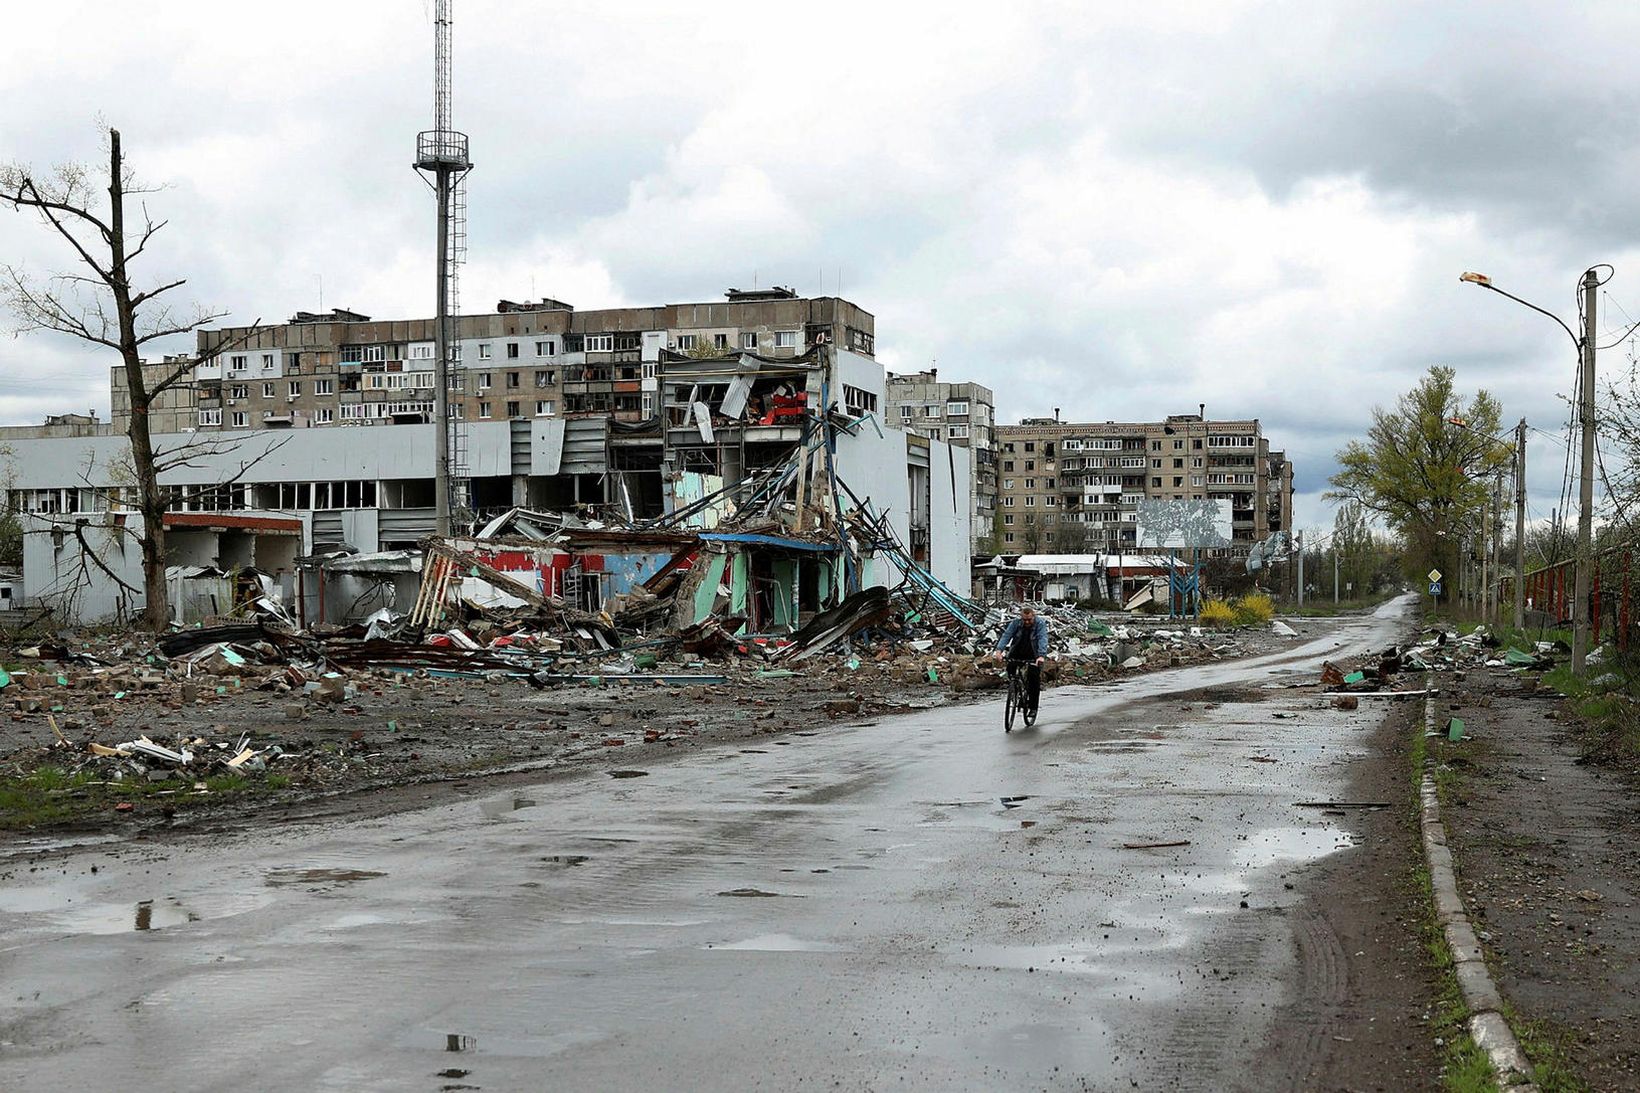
(1077, 487)
(316, 437)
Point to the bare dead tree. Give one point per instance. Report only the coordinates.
(101, 305)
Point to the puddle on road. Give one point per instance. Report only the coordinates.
(1274, 844)
(497, 808)
(778, 943)
(289, 876)
(531, 1047)
(147, 914)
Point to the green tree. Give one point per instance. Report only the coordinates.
(1422, 475)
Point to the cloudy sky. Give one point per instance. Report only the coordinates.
(1121, 210)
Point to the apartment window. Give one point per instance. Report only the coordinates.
(958, 432)
(512, 410)
(267, 390)
(1177, 464)
(354, 412)
(456, 411)
(600, 343)
(486, 380)
(1196, 444)
(1007, 502)
(324, 387)
(324, 416)
(1156, 483)
(686, 342)
(1178, 480)
(237, 362)
(239, 419)
(421, 351)
(543, 379)
(1155, 464)
(785, 339)
(956, 409)
(857, 400)
(1007, 537)
(545, 407)
(748, 339)
(210, 417)
(512, 380)
(512, 351)
(239, 390)
(267, 360)
(545, 349)
(1007, 518)
(454, 382)
(295, 388)
(375, 353)
(1030, 501)
(1155, 445)
(906, 413)
(648, 404)
(931, 412)
(720, 341)
(1030, 483)
(483, 351)
(1007, 464)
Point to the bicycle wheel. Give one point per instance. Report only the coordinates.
(1012, 705)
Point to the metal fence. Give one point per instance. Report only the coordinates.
(1550, 593)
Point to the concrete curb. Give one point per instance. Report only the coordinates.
(1487, 1025)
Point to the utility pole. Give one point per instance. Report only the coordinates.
(1300, 544)
(1585, 484)
(1486, 588)
(1498, 534)
(1520, 525)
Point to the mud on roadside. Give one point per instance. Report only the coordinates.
(1544, 835)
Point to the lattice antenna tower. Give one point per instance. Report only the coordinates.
(441, 155)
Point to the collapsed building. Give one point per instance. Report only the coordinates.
(770, 483)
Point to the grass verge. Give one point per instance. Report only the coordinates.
(1465, 1067)
(52, 795)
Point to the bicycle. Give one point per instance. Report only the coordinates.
(1018, 694)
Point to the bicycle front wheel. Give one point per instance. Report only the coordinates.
(1011, 707)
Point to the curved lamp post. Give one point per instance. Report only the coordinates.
(1584, 559)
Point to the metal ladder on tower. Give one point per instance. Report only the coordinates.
(460, 481)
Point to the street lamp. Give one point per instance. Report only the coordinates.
(1585, 346)
(1519, 449)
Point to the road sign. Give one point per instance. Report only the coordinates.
(1434, 576)
(1434, 588)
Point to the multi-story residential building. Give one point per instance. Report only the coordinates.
(1073, 487)
(524, 360)
(961, 414)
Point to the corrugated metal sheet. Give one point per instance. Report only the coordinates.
(586, 446)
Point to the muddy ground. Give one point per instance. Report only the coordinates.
(1544, 833)
(401, 730)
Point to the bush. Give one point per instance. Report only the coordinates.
(1217, 613)
(1255, 609)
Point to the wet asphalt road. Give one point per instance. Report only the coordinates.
(856, 908)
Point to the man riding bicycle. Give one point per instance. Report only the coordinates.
(1024, 642)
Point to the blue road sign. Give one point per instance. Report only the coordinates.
(1434, 588)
